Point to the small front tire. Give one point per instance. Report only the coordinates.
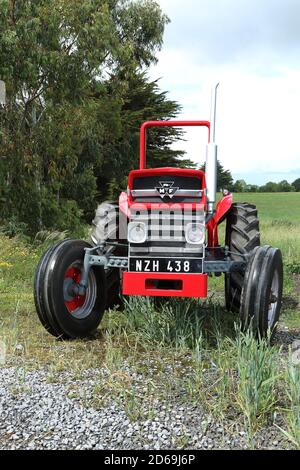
(39, 292)
(262, 291)
(69, 314)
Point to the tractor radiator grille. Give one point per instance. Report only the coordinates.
(166, 230)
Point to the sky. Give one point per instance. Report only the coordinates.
(252, 47)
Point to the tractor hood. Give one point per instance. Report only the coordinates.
(166, 186)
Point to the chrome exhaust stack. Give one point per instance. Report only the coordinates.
(211, 156)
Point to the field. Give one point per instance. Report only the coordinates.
(188, 358)
(280, 222)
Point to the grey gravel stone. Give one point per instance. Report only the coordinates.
(296, 345)
(42, 415)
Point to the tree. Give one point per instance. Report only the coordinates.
(296, 184)
(285, 187)
(252, 188)
(240, 186)
(143, 101)
(269, 187)
(68, 67)
(224, 177)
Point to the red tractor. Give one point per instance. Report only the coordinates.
(161, 240)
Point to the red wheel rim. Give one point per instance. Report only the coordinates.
(78, 300)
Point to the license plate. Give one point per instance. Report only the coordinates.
(166, 265)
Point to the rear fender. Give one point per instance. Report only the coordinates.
(222, 209)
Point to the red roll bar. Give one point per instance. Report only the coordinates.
(148, 124)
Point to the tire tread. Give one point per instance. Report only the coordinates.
(242, 236)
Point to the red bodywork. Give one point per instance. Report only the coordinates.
(222, 208)
(185, 285)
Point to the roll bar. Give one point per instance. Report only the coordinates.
(149, 124)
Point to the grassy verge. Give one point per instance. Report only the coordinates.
(189, 351)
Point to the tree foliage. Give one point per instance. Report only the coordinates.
(296, 184)
(224, 177)
(77, 92)
(282, 187)
(240, 186)
(76, 96)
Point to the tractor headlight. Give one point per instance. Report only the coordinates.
(137, 232)
(195, 234)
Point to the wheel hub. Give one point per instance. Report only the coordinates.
(79, 306)
(273, 299)
(72, 299)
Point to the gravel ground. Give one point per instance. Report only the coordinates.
(38, 414)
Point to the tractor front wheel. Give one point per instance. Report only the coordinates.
(39, 293)
(262, 291)
(62, 310)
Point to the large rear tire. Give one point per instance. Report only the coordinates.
(61, 310)
(242, 236)
(108, 226)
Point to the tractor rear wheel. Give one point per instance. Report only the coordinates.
(242, 236)
(62, 311)
(108, 226)
(262, 291)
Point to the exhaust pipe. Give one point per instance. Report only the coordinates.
(211, 156)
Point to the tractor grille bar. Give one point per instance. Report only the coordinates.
(196, 193)
(166, 230)
(158, 188)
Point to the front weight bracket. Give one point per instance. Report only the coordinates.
(106, 261)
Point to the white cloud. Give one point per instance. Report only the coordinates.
(259, 98)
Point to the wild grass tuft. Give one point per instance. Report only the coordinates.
(292, 388)
(50, 236)
(177, 323)
(257, 371)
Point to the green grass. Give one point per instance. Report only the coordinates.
(187, 350)
(257, 366)
(279, 215)
(274, 206)
(292, 380)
